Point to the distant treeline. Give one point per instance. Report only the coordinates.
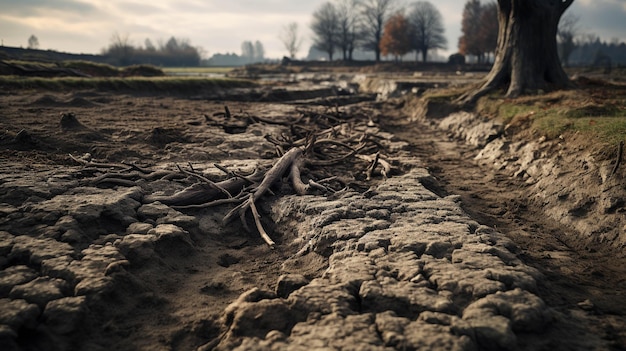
(173, 53)
(598, 53)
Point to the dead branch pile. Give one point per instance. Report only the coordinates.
(318, 145)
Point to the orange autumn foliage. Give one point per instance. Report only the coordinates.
(396, 39)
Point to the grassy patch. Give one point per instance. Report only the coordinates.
(138, 84)
(598, 113)
(89, 68)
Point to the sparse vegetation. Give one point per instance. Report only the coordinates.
(590, 111)
(149, 84)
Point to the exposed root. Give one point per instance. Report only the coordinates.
(319, 140)
(259, 226)
(272, 176)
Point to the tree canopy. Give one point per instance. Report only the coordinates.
(325, 27)
(427, 28)
(480, 29)
(290, 37)
(396, 39)
(174, 52)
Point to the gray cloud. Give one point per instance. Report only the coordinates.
(31, 7)
(604, 18)
(218, 25)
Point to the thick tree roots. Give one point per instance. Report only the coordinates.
(316, 142)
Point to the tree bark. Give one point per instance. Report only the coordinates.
(526, 57)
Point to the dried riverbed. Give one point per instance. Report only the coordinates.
(393, 263)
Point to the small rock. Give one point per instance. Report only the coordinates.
(63, 315)
(139, 228)
(289, 283)
(13, 276)
(154, 210)
(18, 313)
(8, 339)
(172, 240)
(137, 248)
(6, 242)
(40, 291)
(586, 305)
(179, 219)
(27, 249)
(93, 286)
(116, 267)
(226, 260)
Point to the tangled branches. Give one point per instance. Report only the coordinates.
(316, 146)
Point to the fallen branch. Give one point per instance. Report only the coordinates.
(273, 175)
(206, 180)
(201, 193)
(298, 185)
(259, 226)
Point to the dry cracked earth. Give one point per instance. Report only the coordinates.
(440, 254)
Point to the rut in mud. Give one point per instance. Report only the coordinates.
(579, 278)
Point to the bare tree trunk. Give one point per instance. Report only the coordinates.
(526, 57)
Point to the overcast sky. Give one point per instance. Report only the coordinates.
(219, 26)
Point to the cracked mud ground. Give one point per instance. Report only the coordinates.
(402, 263)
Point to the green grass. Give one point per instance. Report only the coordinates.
(601, 128)
(137, 84)
(597, 114)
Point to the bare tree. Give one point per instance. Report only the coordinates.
(33, 42)
(120, 48)
(149, 46)
(247, 50)
(526, 57)
(291, 39)
(259, 51)
(374, 13)
(428, 30)
(325, 27)
(566, 33)
(348, 26)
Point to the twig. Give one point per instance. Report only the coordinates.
(259, 226)
(314, 184)
(298, 185)
(332, 142)
(336, 160)
(97, 164)
(208, 204)
(206, 180)
(372, 166)
(235, 174)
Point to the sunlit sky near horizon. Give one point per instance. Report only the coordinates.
(86, 26)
